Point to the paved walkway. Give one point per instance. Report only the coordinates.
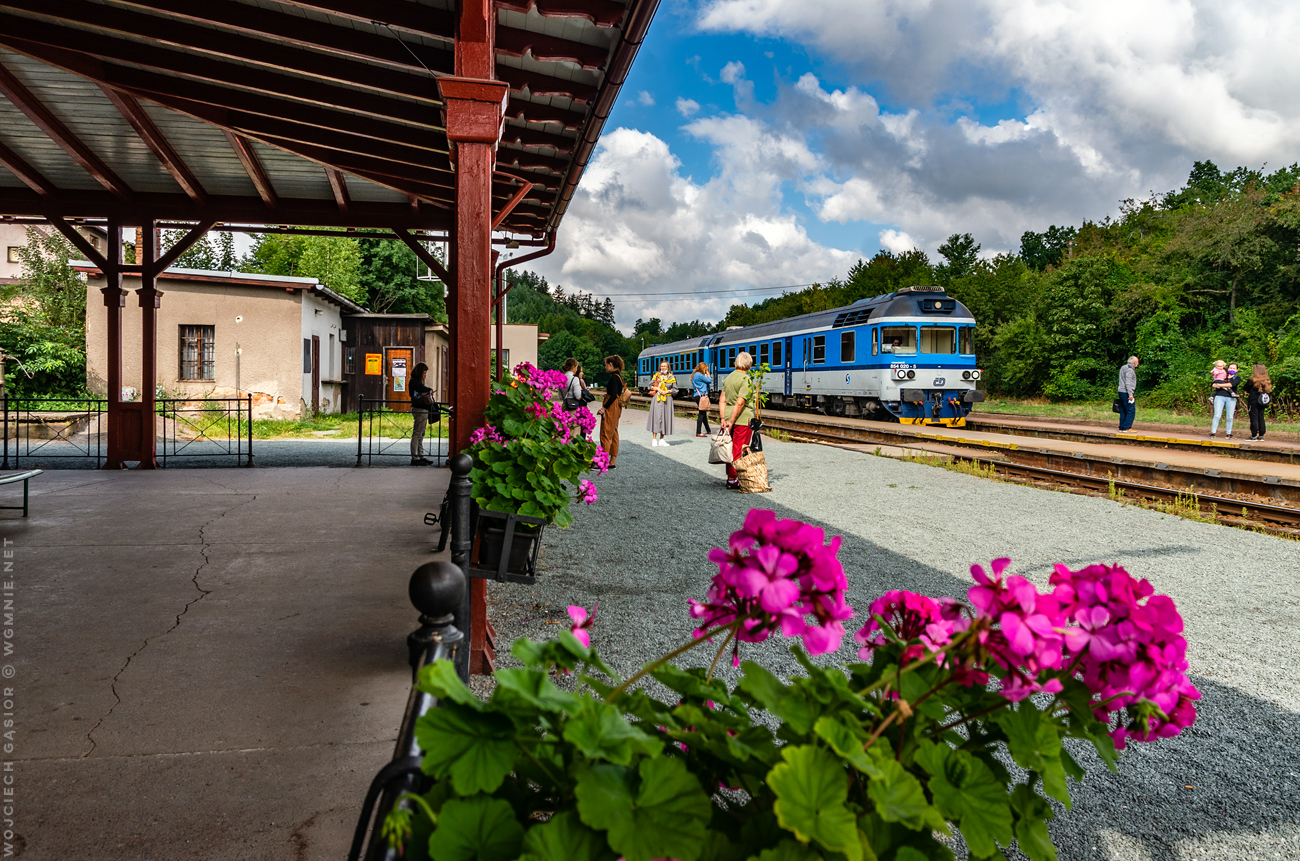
(210, 664)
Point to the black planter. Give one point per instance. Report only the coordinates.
(495, 531)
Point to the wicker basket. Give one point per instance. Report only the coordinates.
(751, 470)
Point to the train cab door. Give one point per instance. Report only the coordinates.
(787, 363)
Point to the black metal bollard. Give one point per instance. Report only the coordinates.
(461, 542)
(437, 590)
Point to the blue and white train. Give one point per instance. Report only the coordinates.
(907, 356)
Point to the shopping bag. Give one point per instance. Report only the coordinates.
(720, 448)
(751, 470)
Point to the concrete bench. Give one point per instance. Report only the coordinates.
(24, 477)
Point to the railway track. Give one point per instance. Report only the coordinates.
(1258, 510)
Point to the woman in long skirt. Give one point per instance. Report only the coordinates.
(660, 423)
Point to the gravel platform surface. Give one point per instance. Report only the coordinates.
(1229, 788)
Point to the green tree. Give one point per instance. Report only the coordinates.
(335, 261)
(389, 280)
(44, 324)
(961, 252)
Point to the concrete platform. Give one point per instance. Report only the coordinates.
(209, 664)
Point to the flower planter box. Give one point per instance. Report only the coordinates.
(494, 532)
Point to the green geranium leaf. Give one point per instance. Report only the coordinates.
(787, 850)
(691, 683)
(565, 838)
(1032, 815)
(600, 731)
(892, 840)
(665, 817)
(440, 679)
(534, 688)
(898, 795)
(811, 788)
(476, 750)
(1035, 744)
(845, 740)
(476, 829)
(966, 791)
(765, 689)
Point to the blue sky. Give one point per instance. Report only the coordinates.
(762, 143)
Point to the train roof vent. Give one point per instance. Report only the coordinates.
(851, 318)
(915, 289)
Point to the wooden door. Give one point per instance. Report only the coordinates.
(397, 364)
(315, 374)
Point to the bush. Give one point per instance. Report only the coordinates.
(1083, 380)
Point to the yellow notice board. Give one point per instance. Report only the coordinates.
(374, 364)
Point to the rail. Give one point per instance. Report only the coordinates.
(386, 432)
(206, 428)
(436, 590)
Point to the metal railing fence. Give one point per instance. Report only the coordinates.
(44, 429)
(205, 427)
(385, 432)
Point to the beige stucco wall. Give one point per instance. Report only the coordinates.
(322, 319)
(521, 340)
(266, 325)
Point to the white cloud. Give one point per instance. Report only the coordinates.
(637, 228)
(644, 98)
(688, 107)
(1120, 97)
(896, 241)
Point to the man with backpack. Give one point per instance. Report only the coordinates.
(617, 395)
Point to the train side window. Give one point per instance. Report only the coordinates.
(966, 340)
(819, 350)
(764, 354)
(847, 345)
(777, 359)
(898, 339)
(875, 342)
(938, 339)
(732, 357)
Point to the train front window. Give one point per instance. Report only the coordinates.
(764, 354)
(819, 350)
(875, 342)
(966, 340)
(898, 339)
(938, 339)
(847, 340)
(777, 358)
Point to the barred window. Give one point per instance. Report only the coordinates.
(198, 353)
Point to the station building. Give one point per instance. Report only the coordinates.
(232, 334)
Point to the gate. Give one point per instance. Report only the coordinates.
(384, 430)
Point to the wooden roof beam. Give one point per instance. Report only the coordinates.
(25, 172)
(153, 137)
(253, 167)
(340, 188)
(55, 130)
(398, 14)
(172, 43)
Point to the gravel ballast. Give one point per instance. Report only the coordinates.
(1226, 789)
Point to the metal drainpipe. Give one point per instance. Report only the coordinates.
(502, 290)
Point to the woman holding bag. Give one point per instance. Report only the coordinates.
(611, 408)
(700, 382)
(735, 412)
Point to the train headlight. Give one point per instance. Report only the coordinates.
(965, 375)
(974, 375)
(900, 374)
(911, 375)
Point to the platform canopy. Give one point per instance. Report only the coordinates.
(324, 113)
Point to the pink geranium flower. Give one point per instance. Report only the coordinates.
(581, 622)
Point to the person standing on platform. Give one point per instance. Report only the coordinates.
(572, 385)
(1259, 392)
(736, 412)
(700, 383)
(660, 423)
(611, 408)
(421, 402)
(1128, 383)
(1224, 391)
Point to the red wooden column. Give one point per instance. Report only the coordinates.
(475, 110)
(150, 299)
(114, 301)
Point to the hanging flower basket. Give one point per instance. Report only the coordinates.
(494, 532)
